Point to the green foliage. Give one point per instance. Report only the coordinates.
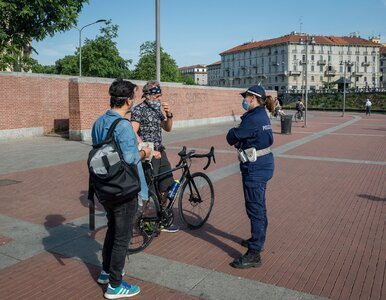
(21, 21)
(100, 58)
(188, 80)
(146, 66)
(354, 101)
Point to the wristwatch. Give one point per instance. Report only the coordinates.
(169, 116)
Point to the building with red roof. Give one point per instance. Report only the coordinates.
(296, 60)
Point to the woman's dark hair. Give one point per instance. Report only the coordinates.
(120, 90)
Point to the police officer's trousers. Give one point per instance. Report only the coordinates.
(254, 186)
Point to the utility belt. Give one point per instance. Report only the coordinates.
(251, 154)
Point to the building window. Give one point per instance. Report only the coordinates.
(312, 78)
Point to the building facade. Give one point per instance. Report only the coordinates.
(214, 73)
(197, 72)
(291, 62)
(383, 68)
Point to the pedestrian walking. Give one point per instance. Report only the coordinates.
(368, 107)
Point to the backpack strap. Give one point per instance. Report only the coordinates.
(112, 127)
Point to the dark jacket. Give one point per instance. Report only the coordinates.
(255, 130)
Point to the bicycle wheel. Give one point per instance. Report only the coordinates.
(146, 227)
(196, 200)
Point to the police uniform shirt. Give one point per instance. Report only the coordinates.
(255, 130)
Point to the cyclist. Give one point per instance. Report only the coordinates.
(148, 119)
(299, 108)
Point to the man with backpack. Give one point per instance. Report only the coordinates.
(120, 214)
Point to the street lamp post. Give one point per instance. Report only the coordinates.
(306, 41)
(346, 63)
(157, 39)
(80, 42)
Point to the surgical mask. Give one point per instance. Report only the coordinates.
(155, 104)
(132, 106)
(245, 104)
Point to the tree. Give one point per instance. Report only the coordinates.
(21, 21)
(100, 57)
(146, 66)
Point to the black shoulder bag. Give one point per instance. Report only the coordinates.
(113, 180)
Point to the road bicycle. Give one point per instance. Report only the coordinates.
(195, 201)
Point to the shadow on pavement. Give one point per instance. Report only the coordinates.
(371, 197)
(65, 240)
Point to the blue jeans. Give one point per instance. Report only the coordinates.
(255, 177)
(119, 229)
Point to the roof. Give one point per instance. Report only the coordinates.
(215, 63)
(295, 39)
(191, 67)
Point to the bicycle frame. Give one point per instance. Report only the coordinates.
(154, 182)
(186, 175)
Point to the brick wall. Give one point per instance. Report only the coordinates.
(33, 101)
(48, 102)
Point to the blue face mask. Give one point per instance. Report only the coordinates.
(245, 104)
(155, 104)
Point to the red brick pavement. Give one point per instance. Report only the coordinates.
(326, 233)
(51, 276)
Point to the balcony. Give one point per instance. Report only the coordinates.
(294, 73)
(285, 73)
(275, 64)
(330, 73)
(302, 62)
(358, 74)
(365, 64)
(321, 62)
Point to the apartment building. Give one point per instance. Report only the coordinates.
(383, 67)
(197, 72)
(214, 73)
(291, 62)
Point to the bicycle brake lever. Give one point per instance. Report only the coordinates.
(212, 154)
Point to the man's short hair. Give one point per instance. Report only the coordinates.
(120, 90)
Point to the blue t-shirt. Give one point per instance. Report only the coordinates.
(124, 135)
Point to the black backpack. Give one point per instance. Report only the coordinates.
(112, 179)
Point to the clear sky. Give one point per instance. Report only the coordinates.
(196, 31)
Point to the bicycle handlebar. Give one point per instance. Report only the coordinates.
(191, 154)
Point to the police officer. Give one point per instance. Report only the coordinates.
(253, 139)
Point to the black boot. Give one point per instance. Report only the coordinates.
(248, 260)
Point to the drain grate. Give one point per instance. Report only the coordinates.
(4, 182)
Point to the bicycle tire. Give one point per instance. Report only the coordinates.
(144, 230)
(191, 204)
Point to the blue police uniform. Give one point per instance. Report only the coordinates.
(255, 131)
